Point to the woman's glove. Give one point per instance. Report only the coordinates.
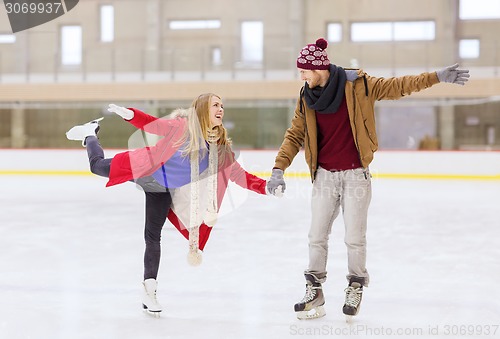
(125, 113)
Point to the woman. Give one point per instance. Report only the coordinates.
(184, 176)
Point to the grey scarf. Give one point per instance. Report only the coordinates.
(327, 99)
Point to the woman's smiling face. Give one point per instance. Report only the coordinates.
(216, 111)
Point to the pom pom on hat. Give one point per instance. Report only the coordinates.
(314, 56)
(322, 43)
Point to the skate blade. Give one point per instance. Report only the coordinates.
(350, 317)
(154, 314)
(314, 313)
(95, 121)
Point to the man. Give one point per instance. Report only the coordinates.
(335, 121)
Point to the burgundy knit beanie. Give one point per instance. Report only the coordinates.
(314, 56)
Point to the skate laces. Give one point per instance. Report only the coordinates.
(353, 296)
(94, 124)
(310, 293)
(152, 295)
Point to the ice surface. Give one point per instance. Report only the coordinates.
(71, 264)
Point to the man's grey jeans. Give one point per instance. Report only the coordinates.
(351, 191)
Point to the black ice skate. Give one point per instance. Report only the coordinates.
(81, 132)
(311, 306)
(353, 295)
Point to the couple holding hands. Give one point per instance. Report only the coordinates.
(186, 174)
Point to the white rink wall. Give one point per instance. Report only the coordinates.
(387, 164)
(391, 164)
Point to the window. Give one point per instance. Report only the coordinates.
(107, 23)
(393, 31)
(469, 48)
(479, 9)
(194, 24)
(371, 31)
(252, 41)
(7, 38)
(334, 32)
(216, 56)
(414, 30)
(71, 45)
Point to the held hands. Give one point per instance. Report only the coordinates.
(453, 75)
(125, 113)
(276, 184)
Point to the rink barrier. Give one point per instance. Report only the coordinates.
(291, 175)
(304, 175)
(403, 165)
(47, 173)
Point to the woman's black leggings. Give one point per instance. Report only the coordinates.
(158, 204)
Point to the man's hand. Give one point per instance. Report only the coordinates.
(276, 184)
(453, 75)
(125, 113)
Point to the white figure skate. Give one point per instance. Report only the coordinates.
(80, 132)
(149, 302)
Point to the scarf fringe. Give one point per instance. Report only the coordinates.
(210, 215)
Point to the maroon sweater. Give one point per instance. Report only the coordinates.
(336, 148)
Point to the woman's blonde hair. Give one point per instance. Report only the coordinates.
(199, 127)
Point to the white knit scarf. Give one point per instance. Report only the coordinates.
(210, 215)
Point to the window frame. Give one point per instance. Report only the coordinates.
(337, 24)
(7, 41)
(466, 6)
(197, 24)
(387, 29)
(102, 33)
(253, 57)
(79, 58)
(469, 57)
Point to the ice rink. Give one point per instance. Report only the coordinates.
(72, 251)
